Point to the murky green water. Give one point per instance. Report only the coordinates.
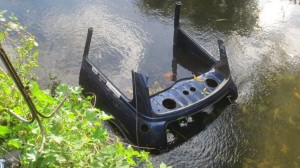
(260, 129)
(272, 121)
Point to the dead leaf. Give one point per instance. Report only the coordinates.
(220, 20)
(297, 95)
(168, 75)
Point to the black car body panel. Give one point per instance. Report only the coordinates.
(144, 119)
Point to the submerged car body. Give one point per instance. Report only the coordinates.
(144, 119)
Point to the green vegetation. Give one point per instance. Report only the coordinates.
(75, 135)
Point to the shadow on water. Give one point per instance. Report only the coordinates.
(188, 62)
(184, 129)
(196, 65)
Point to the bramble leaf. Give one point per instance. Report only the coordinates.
(4, 130)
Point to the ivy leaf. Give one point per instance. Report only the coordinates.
(91, 115)
(163, 165)
(60, 158)
(100, 134)
(13, 26)
(57, 139)
(13, 17)
(31, 156)
(48, 160)
(17, 110)
(14, 143)
(108, 150)
(130, 161)
(105, 117)
(1, 108)
(4, 130)
(76, 90)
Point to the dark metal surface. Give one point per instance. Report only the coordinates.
(144, 119)
(187, 92)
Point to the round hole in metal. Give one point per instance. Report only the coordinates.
(169, 104)
(144, 128)
(185, 92)
(193, 89)
(211, 83)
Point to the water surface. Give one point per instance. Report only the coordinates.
(260, 129)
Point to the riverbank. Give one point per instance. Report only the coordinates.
(66, 130)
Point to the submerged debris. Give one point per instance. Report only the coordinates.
(297, 95)
(168, 75)
(276, 113)
(197, 79)
(284, 149)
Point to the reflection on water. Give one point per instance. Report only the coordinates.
(260, 129)
(224, 15)
(118, 47)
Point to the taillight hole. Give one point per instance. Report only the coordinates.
(193, 89)
(211, 83)
(169, 104)
(185, 92)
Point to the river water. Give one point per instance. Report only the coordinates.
(260, 129)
